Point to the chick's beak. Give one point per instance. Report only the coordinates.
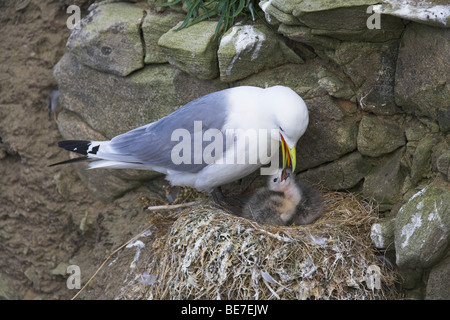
(289, 154)
(284, 175)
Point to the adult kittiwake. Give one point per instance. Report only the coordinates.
(213, 140)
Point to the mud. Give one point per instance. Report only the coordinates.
(48, 219)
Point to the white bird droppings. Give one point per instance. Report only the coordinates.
(245, 39)
(409, 228)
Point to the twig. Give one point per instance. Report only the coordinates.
(173, 206)
(103, 264)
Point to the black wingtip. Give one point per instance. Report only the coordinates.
(78, 146)
(69, 161)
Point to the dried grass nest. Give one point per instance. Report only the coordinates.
(207, 253)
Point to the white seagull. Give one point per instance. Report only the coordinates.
(192, 145)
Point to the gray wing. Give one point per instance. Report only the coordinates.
(151, 144)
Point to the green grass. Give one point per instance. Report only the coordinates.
(227, 11)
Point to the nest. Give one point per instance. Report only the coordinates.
(207, 253)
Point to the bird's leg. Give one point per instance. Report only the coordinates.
(216, 200)
(220, 193)
(218, 196)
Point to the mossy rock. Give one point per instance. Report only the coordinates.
(422, 228)
(379, 136)
(109, 39)
(193, 49)
(248, 49)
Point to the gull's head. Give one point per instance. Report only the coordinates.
(290, 115)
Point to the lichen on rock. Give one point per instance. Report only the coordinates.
(422, 228)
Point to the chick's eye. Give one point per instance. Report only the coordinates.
(275, 180)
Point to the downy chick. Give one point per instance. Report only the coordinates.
(310, 207)
(284, 201)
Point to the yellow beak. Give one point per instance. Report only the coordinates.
(289, 155)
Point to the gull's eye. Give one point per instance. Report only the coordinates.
(275, 180)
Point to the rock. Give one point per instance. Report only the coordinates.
(443, 164)
(335, 86)
(432, 12)
(305, 35)
(323, 5)
(352, 18)
(422, 85)
(60, 270)
(109, 39)
(248, 49)
(105, 184)
(341, 174)
(378, 136)
(415, 130)
(422, 228)
(371, 67)
(72, 126)
(384, 183)
(346, 22)
(411, 281)
(415, 293)
(33, 275)
(316, 80)
(7, 291)
(421, 164)
(154, 26)
(307, 86)
(382, 234)
(193, 49)
(444, 119)
(439, 281)
(331, 133)
(63, 182)
(273, 13)
(113, 105)
(431, 124)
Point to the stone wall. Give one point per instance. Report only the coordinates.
(379, 100)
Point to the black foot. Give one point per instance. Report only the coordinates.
(218, 196)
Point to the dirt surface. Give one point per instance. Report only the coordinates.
(48, 219)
